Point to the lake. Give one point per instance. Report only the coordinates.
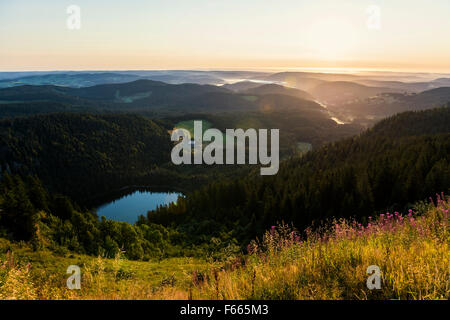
(129, 207)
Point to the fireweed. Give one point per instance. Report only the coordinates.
(411, 250)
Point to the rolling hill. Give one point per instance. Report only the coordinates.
(401, 160)
(278, 89)
(82, 154)
(338, 92)
(241, 85)
(142, 96)
(69, 79)
(78, 79)
(380, 106)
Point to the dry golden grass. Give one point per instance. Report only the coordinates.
(411, 251)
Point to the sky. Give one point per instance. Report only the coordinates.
(409, 35)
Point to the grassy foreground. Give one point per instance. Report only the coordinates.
(411, 250)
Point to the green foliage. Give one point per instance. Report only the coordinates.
(68, 151)
(28, 212)
(389, 167)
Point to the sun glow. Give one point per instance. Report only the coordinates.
(331, 39)
(233, 34)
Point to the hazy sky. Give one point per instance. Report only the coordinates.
(218, 34)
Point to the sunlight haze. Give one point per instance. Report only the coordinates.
(179, 34)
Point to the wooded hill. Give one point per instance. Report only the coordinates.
(401, 160)
(80, 155)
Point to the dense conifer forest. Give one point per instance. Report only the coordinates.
(402, 160)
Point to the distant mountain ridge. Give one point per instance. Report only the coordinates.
(148, 95)
(273, 88)
(388, 104)
(91, 78)
(341, 91)
(242, 85)
(69, 80)
(138, 92)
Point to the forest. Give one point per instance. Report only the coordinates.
(389, 167)
(402, 160)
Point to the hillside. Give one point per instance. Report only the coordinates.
(301, 122)
(380, 106)
(408, 87)
(282, 265)
(400, 161)
(277, 89)
(338, 92)
(81, 154)
(78, 79)
(143, 91)
(413, 123)
(140, 96)
(367, 173)
(103, 152)
(69, 80)
(23, 109)
(241, 85)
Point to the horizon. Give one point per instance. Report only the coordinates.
(404, 36)
(314, 70)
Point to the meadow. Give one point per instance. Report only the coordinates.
(410, 249)
(189, 126)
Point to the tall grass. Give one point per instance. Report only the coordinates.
(411, 250)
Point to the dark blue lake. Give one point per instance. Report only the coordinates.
(129, 207)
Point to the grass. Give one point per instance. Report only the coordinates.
(411, 250)
(28, 274)
(189, 126)
(250, 98)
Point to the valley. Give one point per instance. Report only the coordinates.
(69, 157)
(245, 159)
